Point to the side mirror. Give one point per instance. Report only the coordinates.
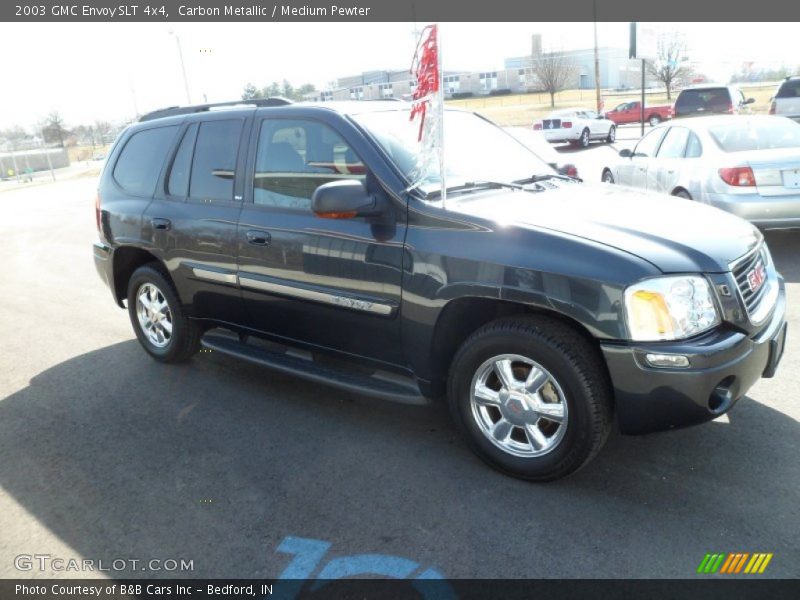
(345, 199)
(625, 153)
(749, 100)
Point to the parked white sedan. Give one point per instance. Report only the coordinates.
(576, 126)
(748, 165)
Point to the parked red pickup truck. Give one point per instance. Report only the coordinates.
(630, 112)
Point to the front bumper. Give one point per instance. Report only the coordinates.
(724, 365)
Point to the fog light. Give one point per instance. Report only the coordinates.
(667, 360)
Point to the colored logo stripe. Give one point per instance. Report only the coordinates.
(758, 563)
(734, 562)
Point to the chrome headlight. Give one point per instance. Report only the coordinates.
(670, 308)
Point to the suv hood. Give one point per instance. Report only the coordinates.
(675, 235)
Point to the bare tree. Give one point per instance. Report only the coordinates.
(54, 130)
(104, 132)
(554, 72)
(669, 66)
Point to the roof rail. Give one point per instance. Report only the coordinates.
(172, 111)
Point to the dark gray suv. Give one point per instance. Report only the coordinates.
(711, 99)
(304, 238)
(786, 100)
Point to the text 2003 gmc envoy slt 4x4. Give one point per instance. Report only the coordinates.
(293, 235)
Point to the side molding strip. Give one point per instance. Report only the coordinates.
(377, 308)
(214, 275)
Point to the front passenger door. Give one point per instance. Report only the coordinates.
(642, 157)
(632, 171)
(329, 283)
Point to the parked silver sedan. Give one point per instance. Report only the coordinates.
(746, 165)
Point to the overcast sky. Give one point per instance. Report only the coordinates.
(110, 71)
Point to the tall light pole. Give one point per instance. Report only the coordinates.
(183, 66)
(596, 58)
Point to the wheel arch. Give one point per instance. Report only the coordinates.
(678, 189)
(126, 260)
(461, 317)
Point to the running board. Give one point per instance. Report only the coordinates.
(395, 389)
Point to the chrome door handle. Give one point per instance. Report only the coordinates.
(258, 238)
(161, 224)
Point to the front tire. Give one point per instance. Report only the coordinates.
(608, 177)
(682, 194)
(157, 317)
(654, 120)
(612, 135)
(531, 397)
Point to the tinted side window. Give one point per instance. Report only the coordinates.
(674, 143)
(687, 100)
(140, 162)
(648, 144)
(178, 184)
(295, 157)
(214, 164)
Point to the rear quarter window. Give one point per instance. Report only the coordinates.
(141, 159)
(776, 132)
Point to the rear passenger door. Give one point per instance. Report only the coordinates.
(192, 220)
(332, 283)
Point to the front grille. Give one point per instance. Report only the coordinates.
(742, 268)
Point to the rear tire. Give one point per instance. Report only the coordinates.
(584, 140)
(682, 194)
(531, 397)
(157, 316)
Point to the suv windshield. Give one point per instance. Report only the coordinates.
(475, 149)
(772, 132)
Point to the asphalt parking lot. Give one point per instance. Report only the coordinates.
(109, 455)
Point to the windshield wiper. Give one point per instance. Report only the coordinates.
(477, 185)
(544, 177)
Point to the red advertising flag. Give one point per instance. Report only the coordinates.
(425, 68)
(428, 107)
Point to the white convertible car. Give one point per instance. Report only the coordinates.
(576, 126)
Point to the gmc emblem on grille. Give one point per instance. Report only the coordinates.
(755, 278)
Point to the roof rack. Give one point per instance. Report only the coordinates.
(172, 111)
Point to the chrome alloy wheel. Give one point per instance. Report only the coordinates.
(518, 405)
(155, 317)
